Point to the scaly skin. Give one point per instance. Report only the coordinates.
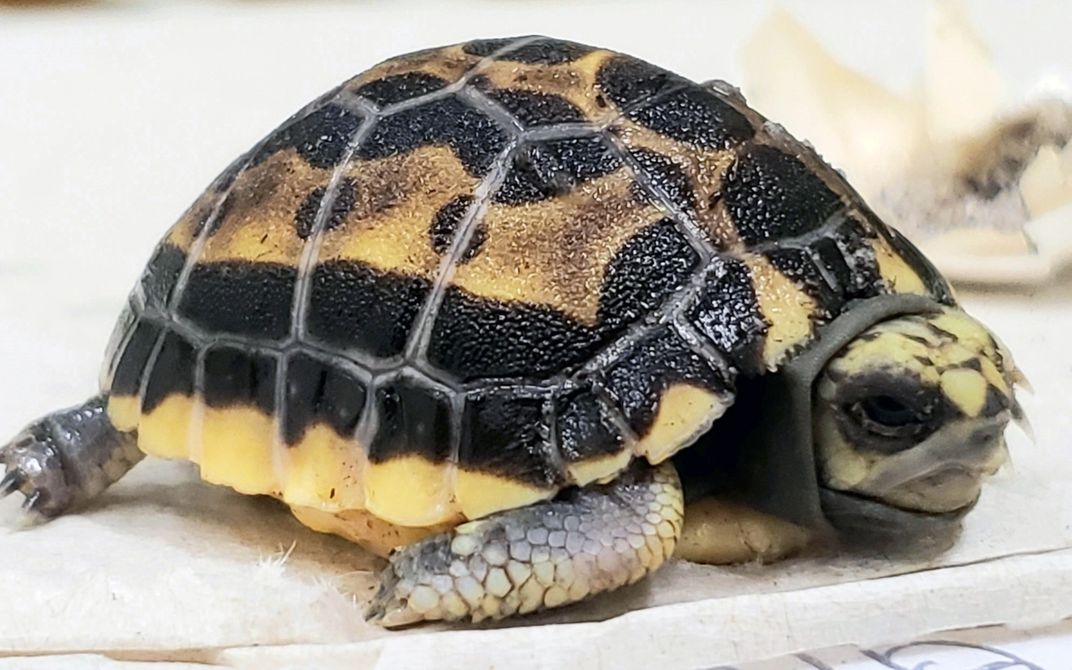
(595, 539)
(65, 459)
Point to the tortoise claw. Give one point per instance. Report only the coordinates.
(10, 483)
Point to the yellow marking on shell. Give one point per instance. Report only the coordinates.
(410, 491)
(966, 389)
(364, 528)
(236, 445)
(787, 308)
(556, 252)
(704, 169)
(893, 268)
(183, 232)
(479, 494)
(396, 203)
(164, 431)
(599, 469)
(685, 412)
(124, 412)
(573, 81)
(448, 63)
(325, 470)
(258, 222)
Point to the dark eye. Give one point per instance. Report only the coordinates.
(889, 417)
(888, 411)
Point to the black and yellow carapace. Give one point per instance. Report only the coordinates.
(475, 303)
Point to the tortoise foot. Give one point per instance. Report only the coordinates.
(589, 541)
(65, 459)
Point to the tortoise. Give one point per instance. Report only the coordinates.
(497, 309)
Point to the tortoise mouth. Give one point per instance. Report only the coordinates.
(865, 522)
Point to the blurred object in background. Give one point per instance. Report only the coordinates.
(982, 183)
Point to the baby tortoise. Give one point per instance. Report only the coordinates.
(476, 302)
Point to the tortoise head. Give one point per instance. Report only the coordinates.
(909, 420)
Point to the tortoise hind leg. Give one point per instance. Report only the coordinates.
(66, 458)
(590, 540)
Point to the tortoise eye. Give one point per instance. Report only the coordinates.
(887, 416)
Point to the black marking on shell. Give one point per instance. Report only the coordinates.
(130, 368)
(771, 195)
(543, 51)
(474, 137)
(354, 307)
(161, 273)
(583, 430)
(345, 199)
(238, 376)
(485, 48)
(413, 418)
(694, 116)
(536, 109)
(666, 175)
(858, 269)
(546, 169)
(798, 265)
(650, 266)
(321, 137)
(320, 393)
(728, 315)
(173, 372)
(244, 298)
(445, 224)
(506, 434)
(627, 80)
(476, 337)
(640, 378)
(400, 87)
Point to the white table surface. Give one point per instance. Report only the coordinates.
(113, 117)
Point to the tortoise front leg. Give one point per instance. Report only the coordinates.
(585, 542)
(66, 459)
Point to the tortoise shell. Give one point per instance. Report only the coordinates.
(474, 275)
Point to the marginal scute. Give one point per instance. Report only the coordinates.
(410, 491)
(236, 448)
(132, 360)
(793, 313)
(412, 417)
(590, 444)
(236, 376)
(320, 393)
(642, 379)
(506, 434)
(161, 273)
(173, 372)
